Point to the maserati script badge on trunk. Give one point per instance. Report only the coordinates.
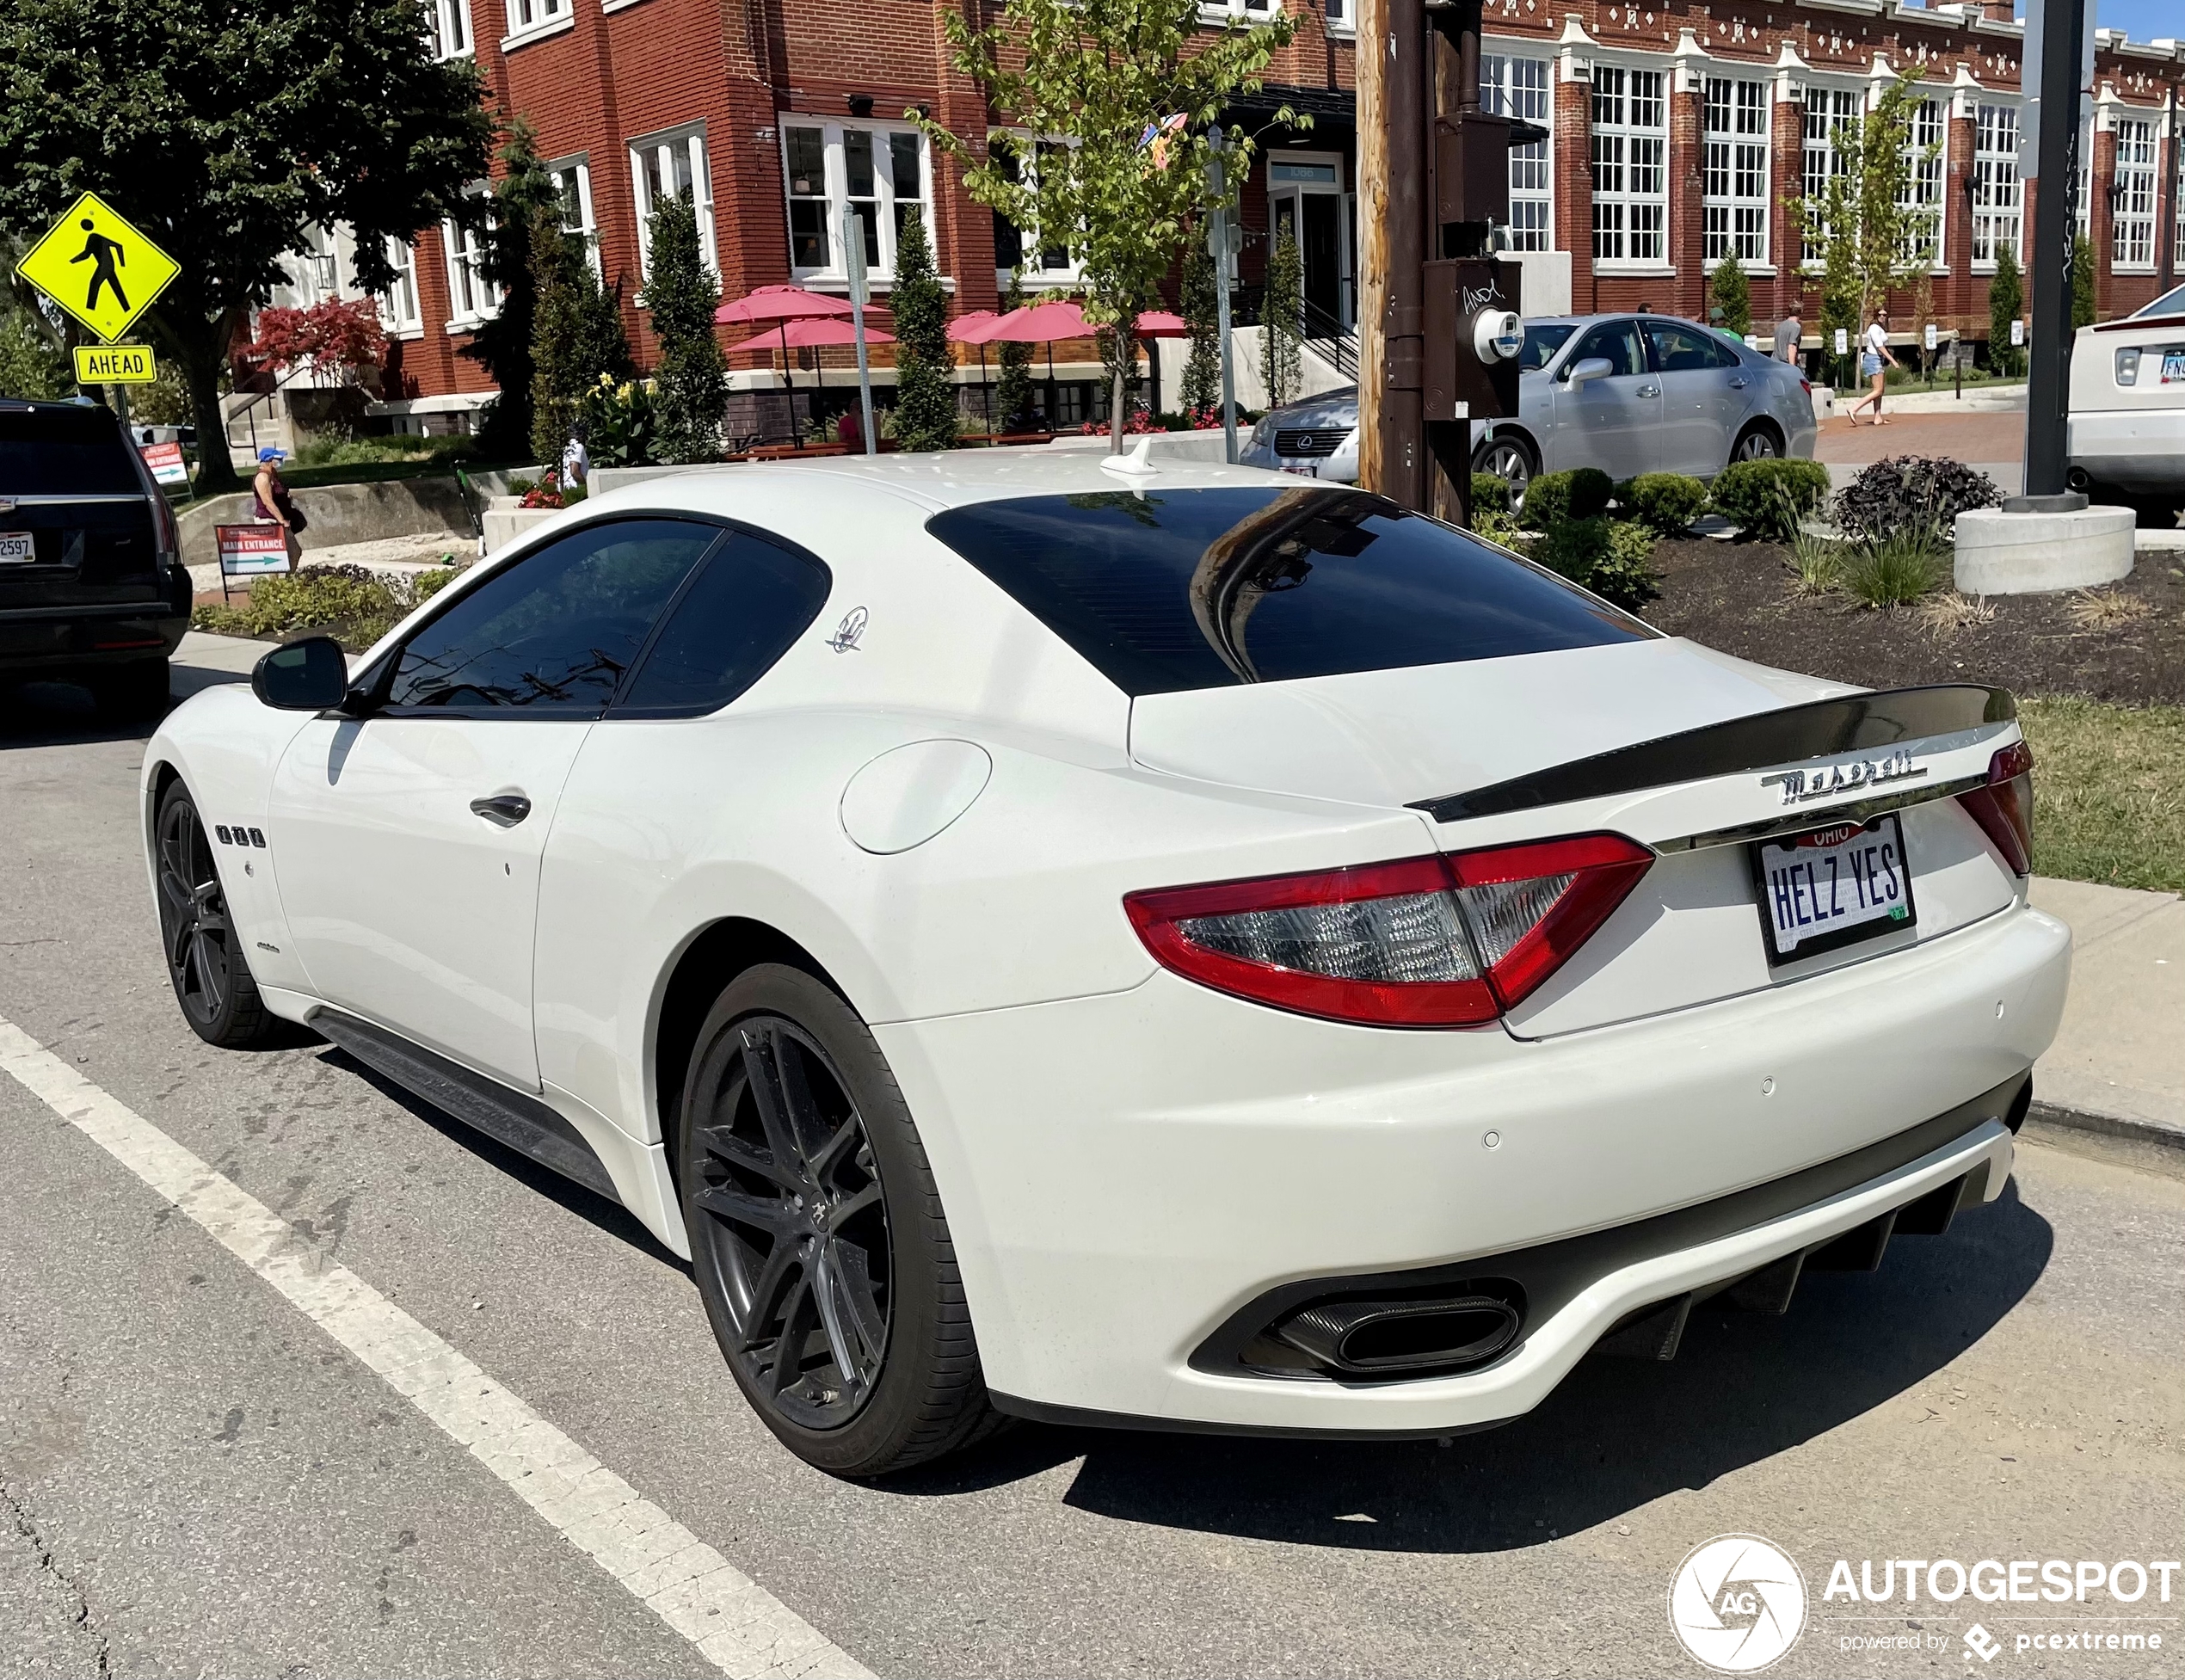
(1799, 785)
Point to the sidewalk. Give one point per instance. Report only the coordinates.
(2118, 1064)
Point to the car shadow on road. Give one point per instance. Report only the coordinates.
(1614, 1436)
(63, 714)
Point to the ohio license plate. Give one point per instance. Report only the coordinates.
(1302, 469)
(16, 547)
(1832, 887)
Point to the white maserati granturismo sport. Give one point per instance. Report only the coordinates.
(1134, 943)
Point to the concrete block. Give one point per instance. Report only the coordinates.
(504, 525)
(2019, 554)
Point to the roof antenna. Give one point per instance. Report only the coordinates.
(1138, 464)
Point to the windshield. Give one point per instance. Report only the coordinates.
(1206, 588)
(2170, 303)
(64, 452)
(1540, 345)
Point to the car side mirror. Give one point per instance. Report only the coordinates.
(1593, 367)
(309, 675)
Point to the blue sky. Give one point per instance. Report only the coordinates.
(2143, 20)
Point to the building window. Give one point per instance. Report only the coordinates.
(875, 171)
(399, 303)
(448, 26)
(1519, 88)
(2132, 232)
(572, 179)
(526, 16)
(1999, 196)
(665, 164)
(1736, 167)
(1827, 111)
(1920, 193)
(1630, 179)
(1020, 248)
(472, 296)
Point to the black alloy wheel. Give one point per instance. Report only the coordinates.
(816, 1234)
(800, 1249)
(205, 962)
(1756, 444)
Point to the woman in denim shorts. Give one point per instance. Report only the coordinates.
(1874, 357)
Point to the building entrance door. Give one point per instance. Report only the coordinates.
(1305, 195)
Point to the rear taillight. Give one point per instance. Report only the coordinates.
(1428, 942)
(2004, 808)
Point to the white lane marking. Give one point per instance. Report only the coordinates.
(744, 1629)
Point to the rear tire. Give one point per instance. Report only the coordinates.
(205, 962)
(817, 1238)
(1757, 443)
(133, 691)
(1509, 459)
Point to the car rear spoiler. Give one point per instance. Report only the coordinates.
(1762, 740)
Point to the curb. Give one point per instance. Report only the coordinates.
(2107, 1125)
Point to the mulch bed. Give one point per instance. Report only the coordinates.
(1738, 598)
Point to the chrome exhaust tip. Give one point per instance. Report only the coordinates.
(1396, 1338)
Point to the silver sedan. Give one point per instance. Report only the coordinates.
(1625, 393)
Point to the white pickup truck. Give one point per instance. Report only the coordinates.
(2128, 419)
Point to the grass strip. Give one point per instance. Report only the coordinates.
(2108, 802)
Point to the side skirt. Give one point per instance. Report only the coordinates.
(507, 1116)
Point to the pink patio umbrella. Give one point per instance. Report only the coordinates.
(809, 332)
(1043, 323)
(971, 328)
(1159, 324)
(782, 305)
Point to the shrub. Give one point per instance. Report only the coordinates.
(691, 384)
(1767, 499)
(1911, 489)
(1611, 558)
(1818, 560)
(352, 603)
(925, 399)
(2006, 296)
(1733, 296)
(1894, 570)
(1490, 494)
(1583, 493)
(1665, 502)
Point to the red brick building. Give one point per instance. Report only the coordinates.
(1681, 129)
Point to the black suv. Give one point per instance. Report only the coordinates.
(92, 585)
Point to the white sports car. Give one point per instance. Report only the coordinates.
(1119, 942)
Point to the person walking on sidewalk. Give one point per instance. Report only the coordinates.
(1789, 332)
(272, 503)
(1872, 360)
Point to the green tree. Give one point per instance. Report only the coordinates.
(31, 365)
(1112, 75)
(1282, 322)
(926, 417)
(1733, 295)
(2082, 282)
(1202, 321)
(578, 338)
(1012, 391)
(1874, 237)
(2006, 303)
(223, 132)
(524, 200)
(691, 384)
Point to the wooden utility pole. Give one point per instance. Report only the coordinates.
(1392, 71)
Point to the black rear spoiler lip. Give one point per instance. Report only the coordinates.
(1760, 741)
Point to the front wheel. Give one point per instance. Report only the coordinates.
(1757, 443)
(817, 1238)
(205, 961)
(1508, 459)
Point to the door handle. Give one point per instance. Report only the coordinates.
(1737, 384)
(503, 810)
(1650, 390)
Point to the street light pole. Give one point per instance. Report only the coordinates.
(2063, 27)
(1222, 250)
(853, 248)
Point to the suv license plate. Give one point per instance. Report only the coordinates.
(16, 547)
(1832, 887)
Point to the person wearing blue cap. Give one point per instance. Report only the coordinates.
(273, 502)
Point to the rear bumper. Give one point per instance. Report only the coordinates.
(80, 635)
(1127, 1175)
(2135, 449)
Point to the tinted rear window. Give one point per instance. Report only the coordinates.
(1204, 589)
(64, 452)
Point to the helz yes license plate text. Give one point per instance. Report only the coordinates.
(1832, 887)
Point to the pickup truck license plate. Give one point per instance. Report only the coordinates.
(16, 547)
(1832, 887)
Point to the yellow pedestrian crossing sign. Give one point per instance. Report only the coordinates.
(98, 267)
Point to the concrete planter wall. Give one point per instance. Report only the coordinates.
(2023, 554)
(342, 513)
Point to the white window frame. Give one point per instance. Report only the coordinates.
(1516, 84)
(1922, 188)
(1340, 17)
(1735, 117)
(880, 265)
(1039, 274)
(1630, 215)
(665, 150)
(533, 20)
(1998, 195)
(449, 25)
(578, 170)
(473, 299)
(401, 304)
(2132, 228)
(1824, 109)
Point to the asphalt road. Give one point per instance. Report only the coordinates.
(195, 1479)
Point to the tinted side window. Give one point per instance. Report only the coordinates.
(64, 452)
(738, 617)
(556, 631)
(1680, 349)
(1618, 340)
(1540, 345)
